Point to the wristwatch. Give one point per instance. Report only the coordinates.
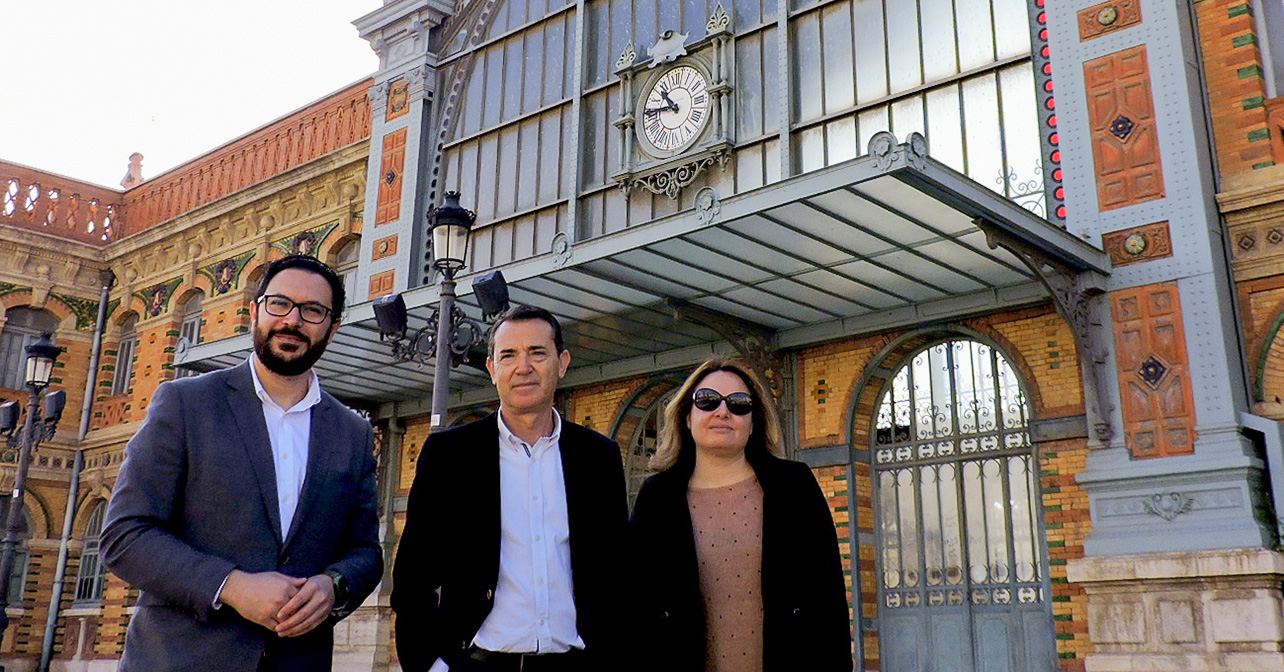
(340, 592)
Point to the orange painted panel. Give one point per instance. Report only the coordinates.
(398, 99)
(388, 208)
(381, 284)
(1125, 140)
(1154, 371)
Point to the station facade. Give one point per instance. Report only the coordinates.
(1009, 268)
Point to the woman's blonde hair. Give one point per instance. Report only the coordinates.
(675, 444)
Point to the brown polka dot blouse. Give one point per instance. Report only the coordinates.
(728, 536)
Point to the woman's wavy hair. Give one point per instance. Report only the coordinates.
(675, 444)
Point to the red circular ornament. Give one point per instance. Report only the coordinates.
(1061, 211)
(1056, 157)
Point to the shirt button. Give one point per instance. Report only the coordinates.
(540, 582)
(537, 498)
(541, 621)
(537, 537)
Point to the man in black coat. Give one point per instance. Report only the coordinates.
(514, 527)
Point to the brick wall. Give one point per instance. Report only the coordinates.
(1236, 90)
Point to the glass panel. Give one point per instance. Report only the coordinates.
(937, 27)
(749, 102)
(494, 86)
(974, 506)
(644, 28)
(1011, 28)
(907, 117)
(1024, 155)
(908, 510)
(506, 162)
(694, 16)
(771, 161)
(594, 149)
(749, 168)
(597, 45)
(933, 541)
(554, 67)
(903, 60)
(549, 156)
(468, 169)
(1023, 529)
(124, 358)
(944, 132)
(981, 112)
(807, 75)
(871, 55)
(951, 524)
(621, 30)
(871, 122)
(772, 105)
(469, 119)
(670, 18)
(810, 146)
(996, 520)
(890, 528)
(840, 140)
(533, 82)
(840, 85)
(976, 43)
(748, 14)
(528, 174)
(487, 164)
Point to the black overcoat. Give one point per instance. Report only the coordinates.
(806, 625)
(447, 566)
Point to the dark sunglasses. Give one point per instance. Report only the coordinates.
(738, 403)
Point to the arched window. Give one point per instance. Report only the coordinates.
(22, 327)
(190, 328)
(125, 355)
(642, 446)
(92, 577)
(345, 264)
(18, 575)
(961, 554)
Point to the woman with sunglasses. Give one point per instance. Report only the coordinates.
(740, 568)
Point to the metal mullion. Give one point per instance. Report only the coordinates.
(1010, 537)
(916, 482)
(1003, 137)
(999, 412)
(951, 367)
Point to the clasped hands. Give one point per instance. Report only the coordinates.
(286, 605)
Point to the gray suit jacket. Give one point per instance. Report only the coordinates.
(196, 498)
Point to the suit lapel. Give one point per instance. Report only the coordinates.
(572, 473)
(488, 504)
(246, 410)
(320, 426)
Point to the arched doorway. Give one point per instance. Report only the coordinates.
(962, 558)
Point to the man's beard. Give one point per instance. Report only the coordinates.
(301, 361)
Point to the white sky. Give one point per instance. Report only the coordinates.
(88, 82)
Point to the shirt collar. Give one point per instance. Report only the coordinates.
(513, 442)
(312, 398)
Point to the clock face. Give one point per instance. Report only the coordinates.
(676, 109)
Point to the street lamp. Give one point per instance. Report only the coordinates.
(449, 332)
(41, 357)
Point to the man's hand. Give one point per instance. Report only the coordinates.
(260, 596)
(308, 608)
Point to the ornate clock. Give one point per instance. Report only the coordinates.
(678, 114)
(675, 109)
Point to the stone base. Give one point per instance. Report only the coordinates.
(1213, 611)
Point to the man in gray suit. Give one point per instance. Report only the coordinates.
(245, 510)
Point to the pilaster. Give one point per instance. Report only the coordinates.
(401, 110)
(1138, 174)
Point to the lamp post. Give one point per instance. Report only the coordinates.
(41, 357)
(449, 334)
(451, 226)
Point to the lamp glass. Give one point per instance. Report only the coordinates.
(39, 370)
(450, 245)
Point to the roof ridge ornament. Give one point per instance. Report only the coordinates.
(627, 57)
(886, 150)
(718, 21)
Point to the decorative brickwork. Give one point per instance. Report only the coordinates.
(1125, 140)
(1236, 90)
(330, 124)
(1154, 371)
(384, 248)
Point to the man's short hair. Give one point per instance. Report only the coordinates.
(522, 313)
(311, 264)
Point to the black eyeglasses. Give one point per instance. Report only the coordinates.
(738, 403)
(280, 306)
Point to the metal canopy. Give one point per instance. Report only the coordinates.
(881, 241)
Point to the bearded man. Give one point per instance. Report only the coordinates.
(245, 510)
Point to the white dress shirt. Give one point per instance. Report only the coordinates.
(534, 610)
(288, 431)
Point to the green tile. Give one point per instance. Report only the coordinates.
(1259, 135)
(1244, 40)
(1249, 71)
(1239, 10)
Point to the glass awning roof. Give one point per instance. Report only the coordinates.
(882, 241)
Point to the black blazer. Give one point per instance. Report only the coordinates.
(196, 498)
(806, 625)
(448, 563)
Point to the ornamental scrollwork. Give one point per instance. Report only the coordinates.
(671, 182)
(1168, 505)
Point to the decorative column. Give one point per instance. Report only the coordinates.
(401, 111)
